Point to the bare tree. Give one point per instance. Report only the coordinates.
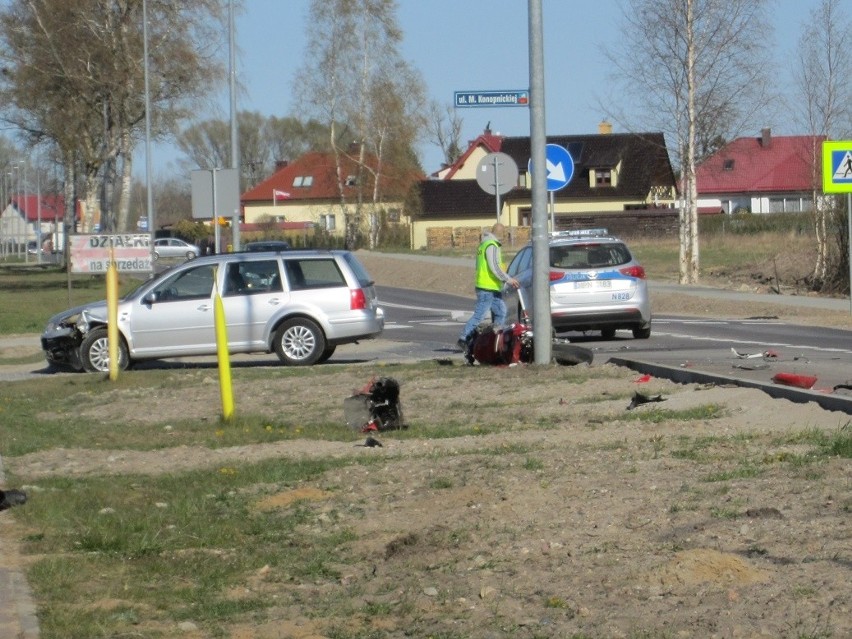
(206, 145)
(74, 77)
(823, 108)
(697, 70)
(352, 50)
(444, 130)
(290, 137)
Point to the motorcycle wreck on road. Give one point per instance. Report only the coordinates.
(514, 344)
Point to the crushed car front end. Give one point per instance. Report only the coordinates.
(65, 331)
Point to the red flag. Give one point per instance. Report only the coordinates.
(279, 195)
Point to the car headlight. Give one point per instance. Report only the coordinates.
(56, 323)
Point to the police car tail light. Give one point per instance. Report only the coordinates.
(357, 299)
(633, 271)
(556, 275)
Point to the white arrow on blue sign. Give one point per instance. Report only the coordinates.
(560, 167)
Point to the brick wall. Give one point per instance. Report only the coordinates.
(625, 224)
(468, 237)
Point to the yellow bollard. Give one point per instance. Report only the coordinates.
(112, 315)
(225, 387)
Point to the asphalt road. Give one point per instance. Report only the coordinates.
(422, 325)
(760, 352)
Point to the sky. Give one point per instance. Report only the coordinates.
(460, 45)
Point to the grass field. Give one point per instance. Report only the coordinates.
(520, 502)
(149, 516)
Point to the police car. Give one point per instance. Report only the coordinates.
(595, 285)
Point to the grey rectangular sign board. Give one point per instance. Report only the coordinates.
(227, 193)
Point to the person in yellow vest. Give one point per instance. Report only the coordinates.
(490, 280)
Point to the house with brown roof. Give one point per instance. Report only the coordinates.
(308, 192)
(614, 173)
(766, 174)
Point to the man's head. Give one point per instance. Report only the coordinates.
(498, 229)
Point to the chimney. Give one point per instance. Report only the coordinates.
(280, 164)
(605, 128)
(766, 138)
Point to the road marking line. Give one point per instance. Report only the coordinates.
(756, 342)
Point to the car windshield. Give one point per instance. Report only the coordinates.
(590, 255)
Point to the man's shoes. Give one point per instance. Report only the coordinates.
(462, 344)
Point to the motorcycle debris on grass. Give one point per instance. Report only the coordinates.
(376, 407)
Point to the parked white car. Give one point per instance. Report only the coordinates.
(299, 304)
(173, 247)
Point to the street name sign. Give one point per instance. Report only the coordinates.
(507, 98)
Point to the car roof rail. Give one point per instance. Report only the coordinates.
(599, 232)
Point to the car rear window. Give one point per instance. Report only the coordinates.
(591, 255)
(305, 274)
(364, 279)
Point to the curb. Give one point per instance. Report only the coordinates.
(691, 376)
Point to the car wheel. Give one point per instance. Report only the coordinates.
(608, 333)
(94, 352)
(642, 333)
(190, 255)
(299, 342)
(326, 354)
(155, 256)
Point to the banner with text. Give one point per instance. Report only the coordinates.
(91, 253)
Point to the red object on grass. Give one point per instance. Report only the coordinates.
(792, 379)
(642, 379)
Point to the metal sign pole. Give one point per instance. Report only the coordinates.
(552, 216)
(497, 185)
(849, 244)
(216, 239)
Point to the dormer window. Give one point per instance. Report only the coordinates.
(303, 181)
(603, 177)
(728, 165)
(351, 180)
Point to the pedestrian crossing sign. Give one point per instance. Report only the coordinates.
(837, 167)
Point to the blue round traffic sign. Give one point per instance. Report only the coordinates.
(560, 167)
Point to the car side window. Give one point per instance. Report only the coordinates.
(521, 263)
(310, 274)
(249, 278)
(192, 283)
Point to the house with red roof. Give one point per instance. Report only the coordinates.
(309, 192)
(20, 220)
(766, 174)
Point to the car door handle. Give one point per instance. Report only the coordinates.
(204, 307)
(274, 301)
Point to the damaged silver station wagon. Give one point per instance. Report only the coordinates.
(299, 304)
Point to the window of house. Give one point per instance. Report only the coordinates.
(728, 165)
(603, 177)
(351, 180)
(328, 221)
(393, 215)
(303, 181)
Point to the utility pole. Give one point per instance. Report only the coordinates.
(235, 139)
(148, 170)
(538, 141)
